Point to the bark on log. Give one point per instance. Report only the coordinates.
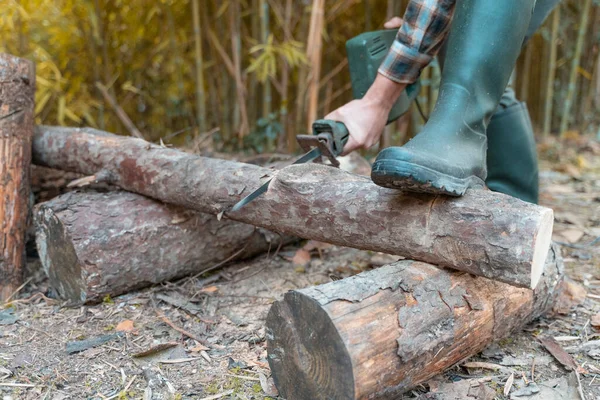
(483, 233)
(95, 244)
(377, 334)
(17, 89)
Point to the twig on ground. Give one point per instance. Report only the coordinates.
(181, 330)
(218, 396)
(17, 291)
(179, 360)
(13, 384)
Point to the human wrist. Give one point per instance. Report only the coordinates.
(384, 92)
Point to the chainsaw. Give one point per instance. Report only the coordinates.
(365, 53)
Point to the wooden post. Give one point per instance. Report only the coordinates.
(17, 90)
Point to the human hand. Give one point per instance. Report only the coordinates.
(394, 23)
(366, 118)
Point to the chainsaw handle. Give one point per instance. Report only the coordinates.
(338, 131)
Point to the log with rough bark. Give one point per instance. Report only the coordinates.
(483, 233)
(17, 89)
(380, 333)
(95, 244)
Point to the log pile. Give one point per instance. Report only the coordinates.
(476, 267)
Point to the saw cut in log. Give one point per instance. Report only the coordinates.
(380, 333)
(17, 90)
(483, 233)
(95, 244)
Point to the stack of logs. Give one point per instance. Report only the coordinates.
(373, 335)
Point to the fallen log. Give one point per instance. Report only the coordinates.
(483, 233)
(380, 333)
(17, 89)
(95, 244)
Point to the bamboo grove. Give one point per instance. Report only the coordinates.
(251, 74)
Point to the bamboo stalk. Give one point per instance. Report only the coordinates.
(200, 98)
(285, 76)
(236, 47)
(264, 35)
(575, 65)
(314, 49)
(551, 73)
(301, 89)
(121, 114)
(526, 73)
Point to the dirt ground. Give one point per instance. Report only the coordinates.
(139, 354)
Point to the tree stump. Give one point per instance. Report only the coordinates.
(17, 90)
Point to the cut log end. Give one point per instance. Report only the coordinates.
(541, 248)
(304, 342)
(58, 256)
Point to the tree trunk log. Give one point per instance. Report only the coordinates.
(379, 333)
(95, 244)
(17, 89)
(483, 233)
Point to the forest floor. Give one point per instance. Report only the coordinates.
(139, 355)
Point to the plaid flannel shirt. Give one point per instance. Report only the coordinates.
(426, 25)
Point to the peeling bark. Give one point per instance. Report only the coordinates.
(380, 333)
(96, 244)
(17, 89)
(483, 233)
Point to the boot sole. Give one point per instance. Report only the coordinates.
(401, 175)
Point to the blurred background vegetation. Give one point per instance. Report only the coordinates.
(251, 74)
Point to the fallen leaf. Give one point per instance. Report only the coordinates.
(596, 320)
(210, 289)
(572, 235)
(559, 353)
(301, 258)
(125, 326)
(508, 384)
(155, 349)
(267, 385)
(315, 245)
(570, 294)
(199, 348)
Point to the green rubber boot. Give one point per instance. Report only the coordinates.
(512, 156)
(449, 155)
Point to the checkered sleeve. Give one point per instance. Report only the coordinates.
(426, 24)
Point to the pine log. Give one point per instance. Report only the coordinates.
(483, 233)
(95, 244)
(380, 333)
(17, 89)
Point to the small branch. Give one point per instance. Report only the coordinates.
(119, 111)
(181, 330)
